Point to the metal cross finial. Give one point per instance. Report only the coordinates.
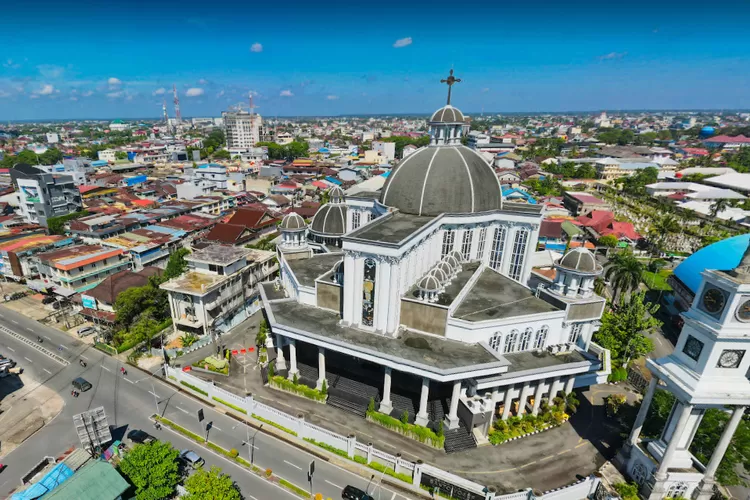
(450, 81)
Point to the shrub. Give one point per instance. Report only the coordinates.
(270, 371)
(371, 405)
(413, 431)
(230, 405)
(190, 386)
(613, 403)
(324, 387)
(628, 491)
(269, 472)
(440, 432)
(299, 389)
(328, 447)
(233, 453)
(405, 417)
(295, 379)
(274, 424)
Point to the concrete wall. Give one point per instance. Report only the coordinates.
(329, 296)
(424, 317)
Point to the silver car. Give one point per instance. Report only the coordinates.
(192, 458)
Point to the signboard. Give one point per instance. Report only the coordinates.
(88, 301)
(448, 488)
(30, 193)
(92, 428)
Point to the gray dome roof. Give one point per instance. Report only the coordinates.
(442, 179)
(446, 268)
(453, 261)
(336, 194)
(456, 255)
(439, 274)
(579, 259)
(330, 220)
(447, 114)
(292, 221)
(429, 284)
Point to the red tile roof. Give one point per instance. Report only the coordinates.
(728, 138)
(226, 233)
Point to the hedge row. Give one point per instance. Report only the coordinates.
(274, 424)
(299, 389)
(413, 431)
(191, 386)
(230, 405)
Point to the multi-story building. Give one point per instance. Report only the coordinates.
(212, 172)
(16, 256)
(107, 155)
(81, 267)
(43, 195)
(219, 290)
(387, 149)
(242, 129)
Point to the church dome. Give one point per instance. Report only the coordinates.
(429, 284)
(447, 114)
(439, 274)
(336, 194)
(330, 220)
(442, 179)
(722, 255)
(292, 222)
(581, 260)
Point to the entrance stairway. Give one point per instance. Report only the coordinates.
(346, 405)
(459, 439)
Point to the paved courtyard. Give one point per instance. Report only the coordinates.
(543, 461)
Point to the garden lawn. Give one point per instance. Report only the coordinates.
(657, 281)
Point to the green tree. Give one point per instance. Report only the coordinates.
(176, 264)
(121, 155)
(153, 469)
(222, 154)
(609, 241)
(719, 206)
(622, 329)
(137, 303)
(624, 272)
(50, 157)
(212, 484)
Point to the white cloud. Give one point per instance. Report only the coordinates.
(50, 71)
(34, 96)
(332, 97)
(46, 89)
(402, 42)
(221, 93)
(10, 64)
(114, 82)
(612, 56)
(159, 91)
(113, 95)
(256, 47)
(202, 81)
(194, 92)
(286, 93)
(252, 93)
(88, 93)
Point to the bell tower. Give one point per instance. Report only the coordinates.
(707, 369)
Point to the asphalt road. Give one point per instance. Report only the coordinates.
(130, 400)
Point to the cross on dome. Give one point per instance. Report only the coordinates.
(450, 81)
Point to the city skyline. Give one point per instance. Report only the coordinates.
(299, 60)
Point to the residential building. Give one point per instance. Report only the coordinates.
(98, 303)
(17, 256)
(242, 129)
(53, 138)
(582, 203)
(600, 223)
(387, 149)
(218, 291)
(118, 126)
(614, 168)
(43, 195)
(150, 246)
(107, 155)
(212, 173)
(79, 268)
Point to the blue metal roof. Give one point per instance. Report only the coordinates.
(530, 199)
(334, 180)
(722, 255)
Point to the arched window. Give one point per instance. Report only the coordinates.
(519, 254)
(448, 236)
(523, 345)
(498, 247)
(368, 292)
(575, 332)
(356, 219)
(466, 245)
(495, 341)
(640, 474)
(541, 337)
(677, 490)
(510, 341)
(480, 246)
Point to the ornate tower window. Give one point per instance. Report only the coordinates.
(356, 219)
(519, 253)
(677, 490)
(448, 237)
(498, 247)
(523, 344)
(495, 341)
(368, 292)
(466, 245)
(541, 337)
(575, 332)
(480, 246)
(510, 341)
(640, 474)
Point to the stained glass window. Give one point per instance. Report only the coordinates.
(480, 246)
(368, 292)
(541, 337)
(510, 341)
(448, 236)
(525, 339)
(498, 246)
(466, 245)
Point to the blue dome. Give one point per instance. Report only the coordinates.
(722, 255)
(707, 131)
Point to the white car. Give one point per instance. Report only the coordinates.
(86, 330)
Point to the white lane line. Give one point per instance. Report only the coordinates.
(110, 371)
(11, 349)
(63, 346)
(84, 357)
(46, 370)
(14, 322)
(152, 392)
(128, 380)
(394, 496)
(335, 485)
(27, 359)
(251, 497)
(47, 337)
(182, 410)
(2, 315)
(295, 466)
(216, 427)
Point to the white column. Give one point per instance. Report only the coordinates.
(280, 361)
(385, 403)
(537, 397)
(507, 402)
(569, 384)
(382, 293)
(394, 299)
(555, 388)
(525, 392)
(292, 358)
(348, 291)
(422, 415)
(707, 484)
(451, 421)
(642, 412)
(684, 414)
(321, 366)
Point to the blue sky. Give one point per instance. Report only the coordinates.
(91, 59)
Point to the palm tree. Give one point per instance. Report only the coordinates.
(662, 227)
(624, 272)
(719, 206)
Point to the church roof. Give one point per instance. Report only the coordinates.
(579, 259)
(723, 255)
(447, 114)
(330, 220)
(292, 221)
(442, 179)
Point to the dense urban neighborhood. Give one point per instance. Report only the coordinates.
(456, 305)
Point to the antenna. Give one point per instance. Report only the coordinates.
(177, 114)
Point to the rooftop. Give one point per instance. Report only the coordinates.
(193, 282)
(308, 270)
(218, 254)
(392, 228)
(77, 256)
(447, 296)
(494, 296)
(97, 480)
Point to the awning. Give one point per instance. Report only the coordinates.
(62, 291)
(39, 285)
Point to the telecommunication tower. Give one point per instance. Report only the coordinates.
(178, 116)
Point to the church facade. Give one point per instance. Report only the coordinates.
(419, 298)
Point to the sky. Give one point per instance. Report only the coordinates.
(86, 59)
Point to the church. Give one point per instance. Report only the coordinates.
(416, 296)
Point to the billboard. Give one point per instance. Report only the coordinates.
(88, 302)
(31, 193)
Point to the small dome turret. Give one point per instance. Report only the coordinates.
(580, 260)
(292, 222)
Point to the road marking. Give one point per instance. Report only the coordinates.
(63, 347)
(14, 322)
(84, 357)
(337, 486)
(110, 371)
(295, 466)
(582, 444)
(394, 496)
(47, 338)
(46, 370)
(251, 497)
(216, 427)
(182, 410)
(11, 349)
(152, 392)
(27, 359)
(128, 380)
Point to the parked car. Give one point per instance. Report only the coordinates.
(354, 493)
(192, 458)
(48, 300)
(140, 437)
(82, 384)
(86, 330)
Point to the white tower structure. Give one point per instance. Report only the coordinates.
(706, 370)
